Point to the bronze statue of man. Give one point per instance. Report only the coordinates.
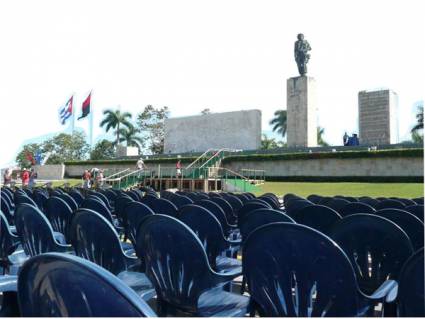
(301, 49)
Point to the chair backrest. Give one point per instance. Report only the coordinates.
(163, 206)
(7, 239)
(134, 213)
(417, 210)
(226, 207)
(98, 206)
(24, 199)
(217, 211)
(34, 230)
(319, 217)
(59, 214)
(39, 198)
(76, 196)
(61, 285)
(406, 201)
(208, 229)
(411, 300)
(390, 203)
(176, 262)
(5, 207)
(376, 246)
(180, 200)
(235, 202)
(314, 198)
(261, 217)
(419, 200)
(356, 208)
(272, 201)
(94, 238)
(412, 225)
(134, 195)
(337, 204)
(292, 276)
(295, 205)
(148, 199)
(69, 200)
(370, 201)
(288, 197)
(250, 207)
(102, 198)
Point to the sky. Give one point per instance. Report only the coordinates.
(191, 55)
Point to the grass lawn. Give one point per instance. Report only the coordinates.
(71, 181)
(406, 190)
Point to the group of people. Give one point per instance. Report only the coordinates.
(28, 177)
(140, 166)
(350, 140)
(93, 178)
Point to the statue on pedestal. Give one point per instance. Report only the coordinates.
(301, 49)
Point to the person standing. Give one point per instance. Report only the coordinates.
(32, 177)
(345, 139)
(178, 168)
(86, 179)
(25, 177)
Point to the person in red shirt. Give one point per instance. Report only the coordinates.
(86, 179)
(25, 176)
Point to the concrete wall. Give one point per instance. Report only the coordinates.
(236, 130)
(78, 170)
(336, 167)
(50, 171)
(378, 117)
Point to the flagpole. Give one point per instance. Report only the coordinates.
(73, 116)
(91, 120)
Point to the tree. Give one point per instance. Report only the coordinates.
(103, 149)
(22, 160)
(131, 137)
(151, 124)
(420, 119)
(270, 143)
(206, 111)
(320, 140)
(114, 119)
(417, 137)
(279, 122)
(66, 147)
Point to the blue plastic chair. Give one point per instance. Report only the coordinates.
(134, 213)
(226, 207)
(163, 206)
(9, 302)
(261, 217)
(40, 198)
(370, 201)
(218, 212)
(294, 206)
(390, 203)
(59, 285)
(235, 202)
(303, 273)
(314, 198)
(209, 231)
(250, 207)
(180, 200)
(417, 210)
(289, 197)
(178, 266)
(98, 206)
(411, 300)
(273, 202)
(7, 210)
(356, 208)
(59, 214)
(337, 204)
(35, 232)
(69, 200)
(148, 199)
(419, 200)
(11, 254)
(376, 247)
(76, 196)
(102, 198)
(318, 217)
(411, 225)
(103, 247)
(24, 199)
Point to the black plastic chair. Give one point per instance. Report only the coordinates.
(226, 207)
(235, 202)
(178, 266)
(163, 206)
(321, 218)
(261, 217)
(11, 254)
(103, 247)
(376, 247)
(303, 273)
(69, 200)
(35, 232)
(390, 203)
(314, 198)
(180, 200)
(76, 196)
(419, 200)
(412, 225)
(59, 214)
(102, 198)
(294, 206)
(250, 207)
(7, 210)
(417, 210)
(337, 204)
(272, 201)
(219, 213)
(98, 206)
(411, 300)
(209, 231)
(134, 213)
(149, 199)
(59, 285)
(370, 201)
(356, 208)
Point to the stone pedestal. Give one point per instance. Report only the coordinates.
(301, 112)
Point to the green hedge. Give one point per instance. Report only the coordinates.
(353, 179)
(415, 152)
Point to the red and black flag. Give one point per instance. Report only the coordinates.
(86, 107)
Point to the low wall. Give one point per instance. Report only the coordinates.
(335, 167)
(53, 171)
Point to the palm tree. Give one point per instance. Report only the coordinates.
(279, 122)
(420, 119)
(114, 119)
(129, 135)
(320, 140)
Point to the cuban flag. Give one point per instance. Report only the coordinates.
(65, 112)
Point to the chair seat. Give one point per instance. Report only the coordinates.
(59, 237)
(219, 303)
(17, 259)
(139, 282)
(227, 264)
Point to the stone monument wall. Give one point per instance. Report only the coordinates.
(236, 130)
